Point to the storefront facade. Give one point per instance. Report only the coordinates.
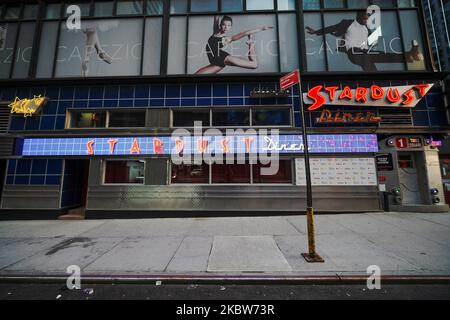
(101, 109)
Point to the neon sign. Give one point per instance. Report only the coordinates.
(142, 146)
(27, 107)
(337, 117)
(376, 96)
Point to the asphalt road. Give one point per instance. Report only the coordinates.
(28, 291)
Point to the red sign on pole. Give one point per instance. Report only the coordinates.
(289, 80)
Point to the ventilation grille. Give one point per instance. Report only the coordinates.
(395, 118)
(6, 147)
(4, 119)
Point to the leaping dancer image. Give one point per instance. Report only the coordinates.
(218, 58)
(93, 43)
(355, 34)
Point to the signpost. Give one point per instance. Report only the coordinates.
(286, 82)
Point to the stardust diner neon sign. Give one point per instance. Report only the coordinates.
(376, 96)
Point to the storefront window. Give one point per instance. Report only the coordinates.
(47, 49)
(259, 4)
(8, 32)
(288, 46)
(203, 5)
(283, 176)
(80, 119)
(152, 47)
(207, 54)
(103, 8)
(30, 11)
(53, 11)
(232, 5)
(183, 118)
(271, 117)
(231, 174)
(12, 13)
(178, 6)
(101, 48)
(229, 43)
(190, 174)
(177, 45)
(231, 118)
(129, 7)
(24, 48)
(235, 173)
(155, 7)
(126, 119)
(125, 172)
(284, 5)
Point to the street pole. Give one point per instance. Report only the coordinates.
(311, 256)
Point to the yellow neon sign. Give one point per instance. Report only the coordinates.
(27, 107)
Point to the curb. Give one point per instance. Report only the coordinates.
(227, 279)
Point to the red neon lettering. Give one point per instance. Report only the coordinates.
(225, 145)
(361, 94)
(346, 94)
(314, 94)
(393, 95)
(202, 145)
(135, 149)
(158, 146)
(376, 92)
(326, 116)
(410, 97)
(112, 145)
(248, 144)
(422, 89)
(332, 92)
(90, 147)
(179, 145)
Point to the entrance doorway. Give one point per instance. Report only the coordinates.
(2, 176)
(75, 184)
(408, 176)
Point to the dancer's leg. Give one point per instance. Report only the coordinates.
(252, 51)
(101, 53)
(251, 63)
(381, 57)
(90, 43)
(209, 69)
(363, 60)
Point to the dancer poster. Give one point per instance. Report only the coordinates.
(232, 44)
(368, 40)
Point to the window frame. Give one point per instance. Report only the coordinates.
(251, 171)
(104, 162)
(418, 8)
(248, 109)
(165, 15)
(19, 21)
(275, 12)
(70, 112)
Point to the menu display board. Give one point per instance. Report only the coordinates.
(338, 172)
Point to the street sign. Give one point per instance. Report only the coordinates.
(290, 80)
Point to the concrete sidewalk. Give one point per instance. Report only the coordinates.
(399, 243)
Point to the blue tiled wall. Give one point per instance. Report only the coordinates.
(34, 172)
(428, 113)
(170, 95)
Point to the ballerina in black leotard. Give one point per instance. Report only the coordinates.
(218, 58)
